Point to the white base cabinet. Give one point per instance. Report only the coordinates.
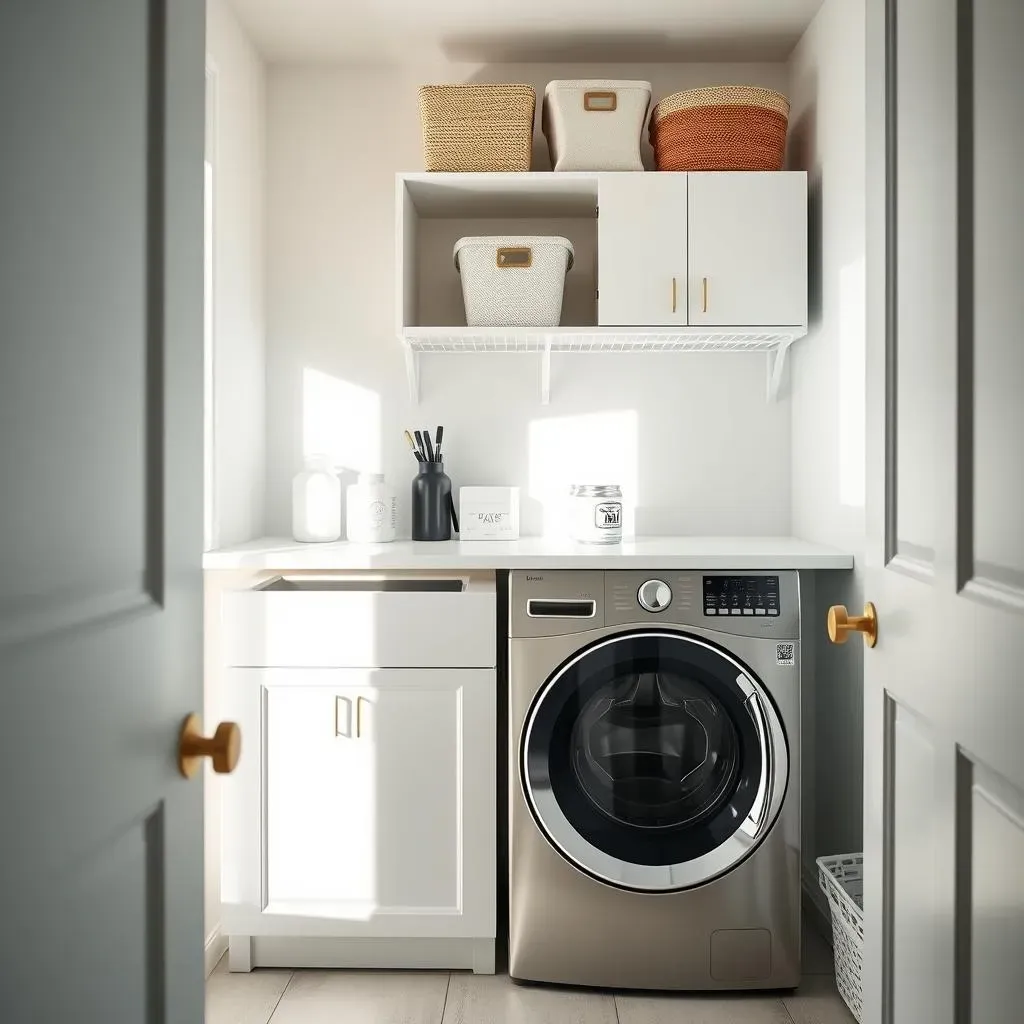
(359, 826)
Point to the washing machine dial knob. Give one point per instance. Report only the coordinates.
(655, 596)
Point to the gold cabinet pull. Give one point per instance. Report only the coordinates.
(222, 748)
(841, 624)
(704, 295)
(673, 294)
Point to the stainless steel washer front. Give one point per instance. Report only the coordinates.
(678, 754)
(654, 785)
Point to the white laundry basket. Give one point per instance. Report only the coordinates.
(595, 124)
(842, 880)
(513, 280)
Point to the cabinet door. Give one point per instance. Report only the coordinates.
(747, 249)
(641, 250)
(369, 809)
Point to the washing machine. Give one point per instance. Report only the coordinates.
(654, 801)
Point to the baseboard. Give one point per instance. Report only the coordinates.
(476, 955)
(815, 904)
(216, 947)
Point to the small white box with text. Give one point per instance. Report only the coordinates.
(488, 513)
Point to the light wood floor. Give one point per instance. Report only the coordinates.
(414, 997)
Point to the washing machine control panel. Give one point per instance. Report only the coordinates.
(742, 595)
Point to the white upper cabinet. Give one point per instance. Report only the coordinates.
(676, 262)
(641, 241)
(747, 249)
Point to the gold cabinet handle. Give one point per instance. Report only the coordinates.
(223, 747)
(673, 294)
(841, 624)
(704, 295)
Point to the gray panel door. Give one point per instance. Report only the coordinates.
(101, 231)
(944, 688)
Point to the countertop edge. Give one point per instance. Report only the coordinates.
(712, 553)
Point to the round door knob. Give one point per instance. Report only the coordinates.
(841, 624)
(222, 748)
(654, 596)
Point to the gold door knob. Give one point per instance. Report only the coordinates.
(223, 747)
(841, 624)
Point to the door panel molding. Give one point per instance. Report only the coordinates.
(963, 896)
(965, 567)
(155, 299)
(156, 931)
(891, 291)
(987, 590)
(889, 712)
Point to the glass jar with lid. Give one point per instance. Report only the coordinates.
(596, 513)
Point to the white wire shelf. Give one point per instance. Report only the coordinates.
(430, 340)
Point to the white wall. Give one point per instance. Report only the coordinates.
(336, 376)
(239, 158)
(236, 136)
(827, 138)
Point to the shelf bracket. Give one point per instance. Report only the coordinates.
(412, 374)
(545, 373)
(776, 367)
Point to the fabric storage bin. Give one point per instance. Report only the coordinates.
(513, 280)
(723, 128)
(477, 127)
(595, 125)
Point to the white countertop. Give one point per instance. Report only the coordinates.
(282, 553)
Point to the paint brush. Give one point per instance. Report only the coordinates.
(412, 445)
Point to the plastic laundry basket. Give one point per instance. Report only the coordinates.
(842, 880)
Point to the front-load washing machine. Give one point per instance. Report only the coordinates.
(654, 779)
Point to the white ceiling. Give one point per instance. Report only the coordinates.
(524, 31)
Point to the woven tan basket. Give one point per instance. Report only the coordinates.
(477, 127)
(722, 128)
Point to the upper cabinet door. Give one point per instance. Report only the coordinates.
(641, 240)
(747, 249)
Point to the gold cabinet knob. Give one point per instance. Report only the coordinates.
(841, 624)
(222, 748)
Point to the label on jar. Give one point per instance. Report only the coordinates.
(608, 515)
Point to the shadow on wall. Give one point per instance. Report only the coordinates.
(838, 721)
(802, 144)
(619, 47)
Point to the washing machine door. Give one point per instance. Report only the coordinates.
(654, 761)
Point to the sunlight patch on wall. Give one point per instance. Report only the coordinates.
(597, 448)
(852, 452)
(342, 421)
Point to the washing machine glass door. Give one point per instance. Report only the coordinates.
(654, 761)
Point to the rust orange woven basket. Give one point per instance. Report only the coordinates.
(722, 128)
(477, 127)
